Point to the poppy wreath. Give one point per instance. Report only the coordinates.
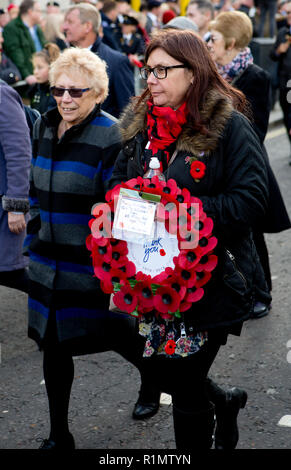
(174, 290)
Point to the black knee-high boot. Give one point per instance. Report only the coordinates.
(58, 374)
(227, 405)
(194, 430)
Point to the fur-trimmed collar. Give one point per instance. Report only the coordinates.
(215, 114)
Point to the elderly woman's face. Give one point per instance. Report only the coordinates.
(169, 91)
(216, 46)
(75, 110)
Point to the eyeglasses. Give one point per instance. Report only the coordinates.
(73, 92)
(159, 72)
(212, 38)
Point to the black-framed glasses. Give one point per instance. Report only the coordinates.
(73, 92)
(159, 71)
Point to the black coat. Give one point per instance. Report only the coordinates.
(255, 83)
(233, 192)
(121, 78)
(284, 60)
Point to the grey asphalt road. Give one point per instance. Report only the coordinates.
(106, 386)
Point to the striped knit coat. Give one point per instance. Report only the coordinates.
(68, 177)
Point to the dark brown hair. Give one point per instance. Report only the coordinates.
(187, 47)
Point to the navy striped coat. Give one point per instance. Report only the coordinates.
(68, 177)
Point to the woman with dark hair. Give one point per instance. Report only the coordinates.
(188, 117)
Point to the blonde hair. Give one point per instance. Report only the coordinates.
(233, 25)
(52, 27)
(49, 53)
(74, 61)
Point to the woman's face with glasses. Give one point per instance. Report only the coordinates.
(77, 101)
(216, 46)
(169, 91)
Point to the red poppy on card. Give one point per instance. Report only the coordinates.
(126, 299)
(197, 170)
(166, 300)
(170, 347)
(207, 263)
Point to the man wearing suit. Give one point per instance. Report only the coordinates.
(82, 29)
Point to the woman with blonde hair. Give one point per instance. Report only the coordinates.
(74, 149)
(53, 30)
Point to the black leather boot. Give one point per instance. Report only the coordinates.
(227, 406)
(148, 403)
(194, 430)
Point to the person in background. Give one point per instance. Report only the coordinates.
(23, 37)
(231, 32)
(189, 111)
(154, 13)
(110, 24)
(53, 30)
(129, 40)
(53, 8)
(15, 160)
(13, 11)
(267, 8)
(82, 28)
(281, 53)
(201, 12)
(39, 94)
(8, 71)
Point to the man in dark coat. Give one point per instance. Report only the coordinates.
(281, 53)
(15, 157)
(81, 27)
(23, 37)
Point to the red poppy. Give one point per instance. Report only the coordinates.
(197, 170)
(170, 347)
(207, 263)
(202, 278)
(187, 276)
(207, 244)
(114, 192)
(135, 183)
(126, 299)
(103, 253)
(204, 227)
(119, 253)
(194, 294)
(154, 183)
(187, 259)
(175, 282)
(145, 294)
(166, 300)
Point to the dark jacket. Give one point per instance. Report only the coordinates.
(121, 78)
(255, 83)
(67, 179)
(15, 158)
(41, 98)
(8, 70)
(233, 192)
(136, 45)
(109, 29)
(19, 45)
(284, 60)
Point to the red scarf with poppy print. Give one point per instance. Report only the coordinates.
(164, 124)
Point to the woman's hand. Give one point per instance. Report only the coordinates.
(16, 222)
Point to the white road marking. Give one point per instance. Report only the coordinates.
(275, 133)
(285, 421)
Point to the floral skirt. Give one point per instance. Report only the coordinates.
(169, 338)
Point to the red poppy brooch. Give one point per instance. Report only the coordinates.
(197, 168)
(176, 287)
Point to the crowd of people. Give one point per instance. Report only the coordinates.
(78, 128)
